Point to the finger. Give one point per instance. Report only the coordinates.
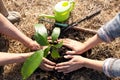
(48, 62)
(60, 68)
(70, 52)
(63, 40)
(68, 44)
(63, 64)
(70, 69)
(49, 38)
(68, 56)
(47, 67)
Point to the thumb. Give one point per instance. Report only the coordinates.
(70, 52)
(68, 56)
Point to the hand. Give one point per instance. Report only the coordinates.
(77, 47)
(33, 45)
(75, 63)
(47, 65)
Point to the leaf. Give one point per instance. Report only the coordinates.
(40, 39)
(46, 51)
(55, 33)
(40, 28)
(41, 34)
(31, 64)
(55, 53)
(59, 45)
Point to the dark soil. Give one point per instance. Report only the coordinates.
(75, 75)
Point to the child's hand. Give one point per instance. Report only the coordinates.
(77, 47)
(33, 45)
(47, 65)
(75, 62)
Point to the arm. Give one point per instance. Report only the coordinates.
(78, 47)
(10, 30)
(9, 58)
(106, 33)
(110, 66)
(110, 30)
(77, 62)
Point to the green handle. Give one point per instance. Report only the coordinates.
(61, 25)
(48, 16)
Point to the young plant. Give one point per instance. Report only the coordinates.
(33, 62)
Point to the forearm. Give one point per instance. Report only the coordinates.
(9, 58)
(92, 42)
(93, 64)
(9, 29)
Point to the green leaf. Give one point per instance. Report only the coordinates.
(59, 45)
(55, 53)
(46, 51)
(41, 34)
(41, 29)
(55, 33)
(40, 39)
(31, 64)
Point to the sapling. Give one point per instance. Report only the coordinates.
(33, 62)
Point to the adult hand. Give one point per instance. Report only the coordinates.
(77, 47)
(47, 65)
(75, 63)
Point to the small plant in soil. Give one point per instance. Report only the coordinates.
(52, 47)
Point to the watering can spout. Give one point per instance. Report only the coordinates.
(48, 16)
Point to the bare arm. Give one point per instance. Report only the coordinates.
(10, 30)
(78, 47)
(92, 42)
(93, 64)
(77, 62)
(9, 58)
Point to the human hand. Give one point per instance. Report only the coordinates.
(33, 45)
(77, 47)
(47, 65)
(75, 63)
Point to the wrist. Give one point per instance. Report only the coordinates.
(85, 62)
(26, 55)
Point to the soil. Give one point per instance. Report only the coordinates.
(30, 9)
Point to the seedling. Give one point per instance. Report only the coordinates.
(33, 62)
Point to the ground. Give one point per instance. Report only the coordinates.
(30, 9)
